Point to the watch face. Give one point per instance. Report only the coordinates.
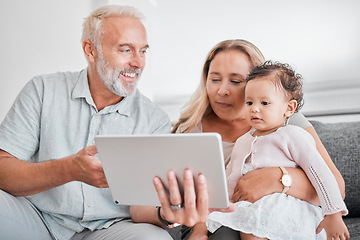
(287, 180)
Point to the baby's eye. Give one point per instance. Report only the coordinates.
(249, 103)
(265, 103)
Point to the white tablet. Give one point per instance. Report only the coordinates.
(131, 162)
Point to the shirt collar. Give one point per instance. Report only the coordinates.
(82, 90)
(125, 106)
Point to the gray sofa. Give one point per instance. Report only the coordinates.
(342, 141)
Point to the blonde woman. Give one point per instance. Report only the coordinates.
(218, 106)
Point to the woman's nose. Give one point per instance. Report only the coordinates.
(224, 89)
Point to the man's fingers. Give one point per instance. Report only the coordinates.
(91, 150)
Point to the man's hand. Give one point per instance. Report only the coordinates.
(87, 167)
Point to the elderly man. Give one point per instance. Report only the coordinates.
(52, 184)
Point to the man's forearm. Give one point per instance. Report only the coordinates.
(22, 178)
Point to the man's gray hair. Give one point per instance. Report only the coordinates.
(92, 26)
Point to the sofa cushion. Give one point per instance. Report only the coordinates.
(342, 141)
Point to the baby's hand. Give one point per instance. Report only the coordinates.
(334, 226)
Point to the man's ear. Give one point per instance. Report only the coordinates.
(292, 104)
(89, 50)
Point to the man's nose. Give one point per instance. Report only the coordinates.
(137, 60)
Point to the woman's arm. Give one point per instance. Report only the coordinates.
(258, 183)
(261, 182)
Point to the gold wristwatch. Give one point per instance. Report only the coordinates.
(286, 179)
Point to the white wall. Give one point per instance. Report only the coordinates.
(319, 38)
(38, 36)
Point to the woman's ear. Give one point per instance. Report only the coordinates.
(89, 50)
(291, 107)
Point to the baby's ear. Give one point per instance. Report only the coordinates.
(292, 104)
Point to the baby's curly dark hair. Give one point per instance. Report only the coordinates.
(284, 76)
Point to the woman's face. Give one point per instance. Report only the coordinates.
(226, 82)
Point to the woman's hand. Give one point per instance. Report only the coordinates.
(257, 184)
(194, 209)
(261, 182)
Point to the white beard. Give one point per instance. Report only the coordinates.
(110, 77)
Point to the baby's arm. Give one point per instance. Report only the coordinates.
(304, 152)
(334, 226)
(325, 155)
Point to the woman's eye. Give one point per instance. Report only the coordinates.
(215, 80)
(265, 103)
(249, 103)
(237, 81)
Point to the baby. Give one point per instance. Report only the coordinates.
(272, 94)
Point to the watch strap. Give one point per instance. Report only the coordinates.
(286, 188)
(284, 171)
(163, 221)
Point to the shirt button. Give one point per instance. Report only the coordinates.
(254, 151)
(88, 204)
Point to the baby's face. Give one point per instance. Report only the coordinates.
(266, 104)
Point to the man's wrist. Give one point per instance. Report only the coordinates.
(67, 168)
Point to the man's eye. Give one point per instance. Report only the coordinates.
(249, 103)
(144, 52)
(125, 50)
(265, 103)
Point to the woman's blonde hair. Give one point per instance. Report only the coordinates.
(92, 26)
(199, 105)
